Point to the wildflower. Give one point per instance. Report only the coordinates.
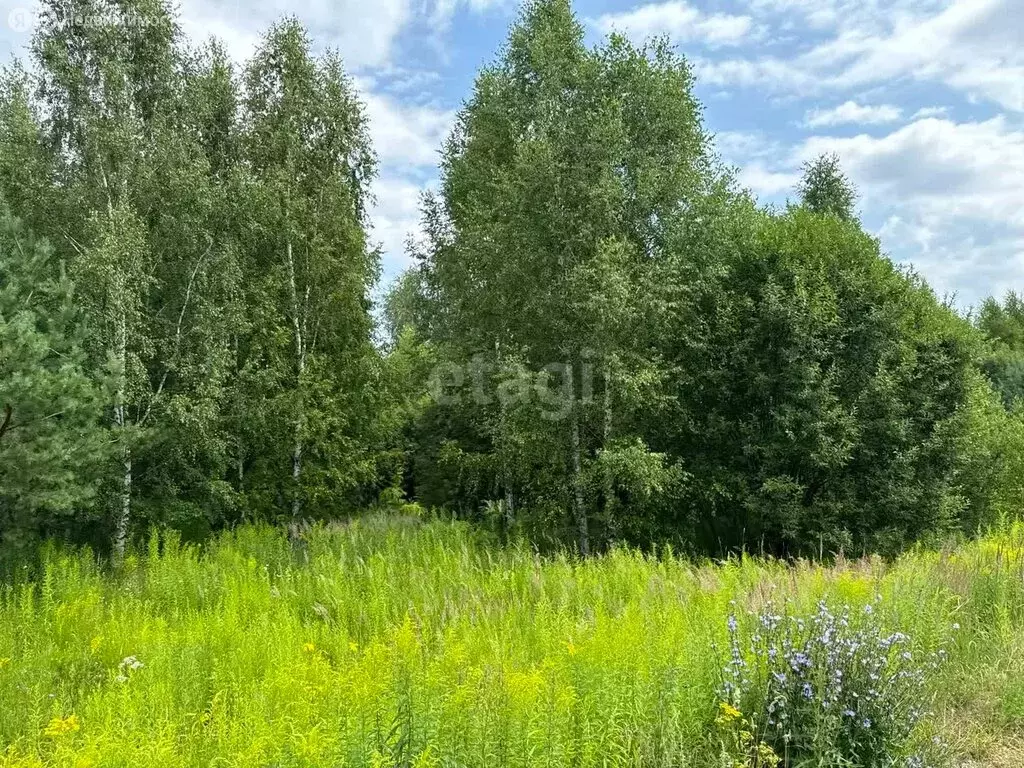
(5, 661)
(800, 660)
(732, 623)
(570, 647)
(807, 691)
(61, 726)
(767, 756)
(727, 713)
(130, 664)
(309, 648)
(95, 643)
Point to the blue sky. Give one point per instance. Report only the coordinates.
(923, 100)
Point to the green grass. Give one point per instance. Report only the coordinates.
(400, 643)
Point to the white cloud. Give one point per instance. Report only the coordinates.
(939, 167)
(930, 112)
(955, 262)
(970, 45)
(766, 183)
(362, 32)
(946, 196)
(777, 74)
(406, 135)
(973, 45)
(443, 11)
(395, 217)
(950, 195)
(680, 21)
(752, 154)
(852, 112)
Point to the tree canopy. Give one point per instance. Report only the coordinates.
(603, 339)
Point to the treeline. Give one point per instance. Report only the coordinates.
(185, 271)
(630, 349)
(603, 338)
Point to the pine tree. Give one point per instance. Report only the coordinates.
(52, 447)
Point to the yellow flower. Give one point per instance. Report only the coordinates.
(727, 714)
(767, 756)
(95, 643)
(570, 648)
(4, 661)
(60, 726)
(309, 648)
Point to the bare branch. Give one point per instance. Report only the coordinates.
(8, 411)
(177, 331)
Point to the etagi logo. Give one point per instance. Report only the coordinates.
(22, 20)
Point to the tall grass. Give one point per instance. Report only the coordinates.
(398, 643)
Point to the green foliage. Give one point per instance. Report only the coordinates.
(213, 232)
(601, 340)
(303, 349)
(404, 643)
(1003, 323)
(51, 444)
(824, 189)
(822, 397)
(557, 182)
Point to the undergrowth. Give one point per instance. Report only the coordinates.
(387, 644)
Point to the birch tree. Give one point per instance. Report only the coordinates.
(307, 264)
(562, 170)
(130, 207)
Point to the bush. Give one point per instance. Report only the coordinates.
(824, 399)
(830, 690)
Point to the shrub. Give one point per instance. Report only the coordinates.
(833, 689)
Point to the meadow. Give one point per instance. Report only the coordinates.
(396, 642)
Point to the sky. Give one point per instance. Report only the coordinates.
(923, 101)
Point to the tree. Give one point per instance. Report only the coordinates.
(1003, 324)
(51, 444)
(824, 400)
(826, 190)
(307, 269)
(121, 182)
(556, 184)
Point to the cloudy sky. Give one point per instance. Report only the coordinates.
(922, 99)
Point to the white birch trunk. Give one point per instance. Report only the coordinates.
(609, 477)
(506, 469)
(300, 365)
(124, 508)
(576, 479)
